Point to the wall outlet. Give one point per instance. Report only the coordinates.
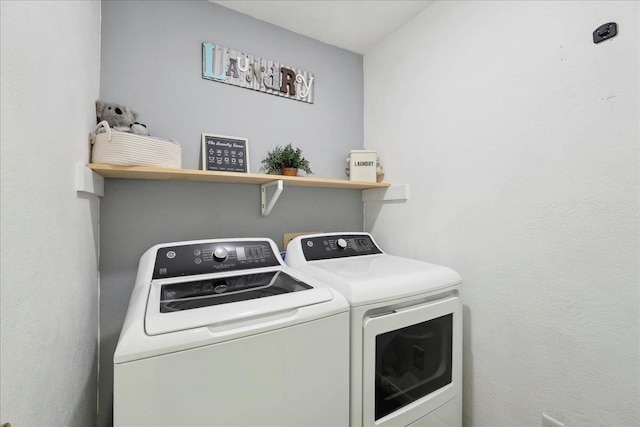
(547, 421)
(290, 236)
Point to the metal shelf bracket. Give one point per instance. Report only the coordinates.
(266, 206)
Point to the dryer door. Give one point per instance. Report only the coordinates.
(412, 362)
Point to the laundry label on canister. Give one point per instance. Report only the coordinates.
(362, 165)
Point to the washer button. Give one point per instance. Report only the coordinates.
(220, 253)
(342, 244)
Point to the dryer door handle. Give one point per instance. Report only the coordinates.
(401, 318)
(427, 305)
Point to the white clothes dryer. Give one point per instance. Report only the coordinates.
(406, 329)
(223, 333)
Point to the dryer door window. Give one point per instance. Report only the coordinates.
(412, 362)
(409, 362)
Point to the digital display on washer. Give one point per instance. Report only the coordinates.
(205, 293)
(251, 252)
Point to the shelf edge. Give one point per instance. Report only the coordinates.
(195, 175)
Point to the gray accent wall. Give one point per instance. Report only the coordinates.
(151, 61)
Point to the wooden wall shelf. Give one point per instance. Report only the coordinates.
(146, 172)
(265, 181)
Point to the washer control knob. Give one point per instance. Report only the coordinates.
(220, 253)
(342, 244)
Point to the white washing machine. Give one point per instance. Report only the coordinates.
(223, 333)
(406, 329)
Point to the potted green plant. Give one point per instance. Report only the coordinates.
(285, 161)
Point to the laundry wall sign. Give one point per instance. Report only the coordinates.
(226, 65)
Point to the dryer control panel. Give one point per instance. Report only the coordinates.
(213, 257)
(338, 246)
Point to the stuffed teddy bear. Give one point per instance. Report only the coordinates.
(120, 118)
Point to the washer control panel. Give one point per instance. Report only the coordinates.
(338, 246)
(213, 257)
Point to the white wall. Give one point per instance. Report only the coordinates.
(49, 276)
(519, 139)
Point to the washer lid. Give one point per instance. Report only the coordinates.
(175, 305)
(367, 279)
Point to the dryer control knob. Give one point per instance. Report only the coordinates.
(342, 244)
(220, 253)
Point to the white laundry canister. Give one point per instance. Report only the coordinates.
(362, 165)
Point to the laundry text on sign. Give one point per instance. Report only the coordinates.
(237, 68)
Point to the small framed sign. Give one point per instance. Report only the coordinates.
(225, 153)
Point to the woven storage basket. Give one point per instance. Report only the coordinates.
(128, 149)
